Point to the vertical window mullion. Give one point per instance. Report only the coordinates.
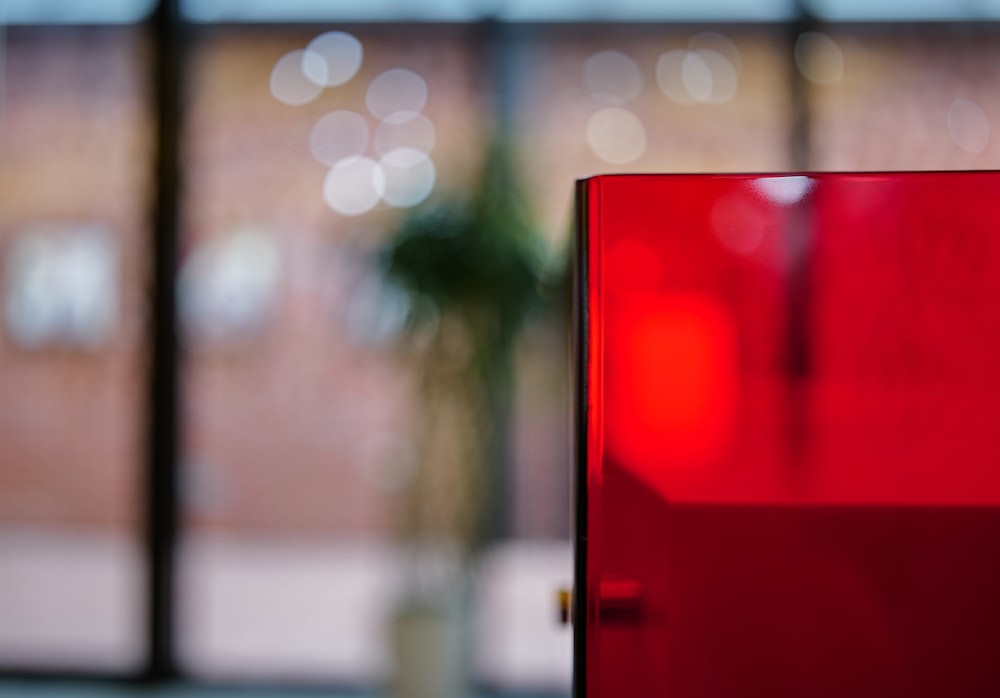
(163, 435)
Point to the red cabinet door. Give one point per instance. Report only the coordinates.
(788, 435)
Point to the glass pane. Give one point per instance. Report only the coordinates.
(298, 407)
(74, 159)
(790, 445)
(301, 415)
(902, 99)
(640, 100)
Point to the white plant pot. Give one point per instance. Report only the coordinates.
(429, 645)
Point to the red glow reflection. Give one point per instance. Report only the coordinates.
(672, 388)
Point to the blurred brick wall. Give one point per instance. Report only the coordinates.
(74, 148)
(305, 428)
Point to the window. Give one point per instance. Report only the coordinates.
(307, 137)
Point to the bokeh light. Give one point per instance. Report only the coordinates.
(740, 223)
(708, 72)
(394, 91)
(720, 43)
(409, 177)
(338, 135)
(298, 77)
(354, 185)
(696, 75)
(405, 129)
(968, 126)
(709, 76)
(341, 54)
(669, 69)
(612, 76)
(616, 135)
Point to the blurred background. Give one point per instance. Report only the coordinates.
(251, 417)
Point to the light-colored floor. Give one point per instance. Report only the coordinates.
(70, 689)
(269, 610)
(63, 689)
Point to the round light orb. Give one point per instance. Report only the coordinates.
(968, 126)
(409, 177)
(338, 135)
(295, 75)
(354, 186)
(616, 135)
(394, 91)
(341, 54)
(405, 129)
(612, 76)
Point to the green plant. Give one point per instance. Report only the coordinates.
(472, 266)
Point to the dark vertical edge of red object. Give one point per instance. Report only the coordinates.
(163, 425)
(579, 444)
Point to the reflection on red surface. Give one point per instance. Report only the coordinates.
(792, 421)
(670, 398)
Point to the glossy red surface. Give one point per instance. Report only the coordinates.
(791, 420)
